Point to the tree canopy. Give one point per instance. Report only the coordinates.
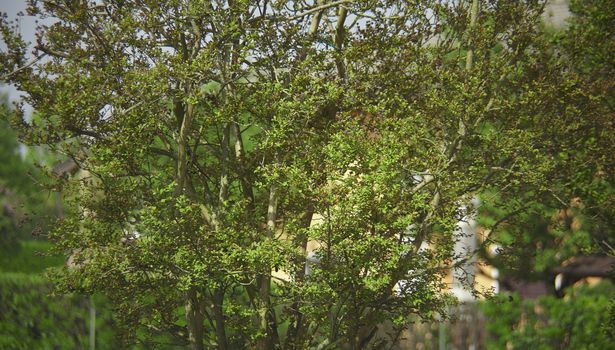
(217, 139)
(576, 215)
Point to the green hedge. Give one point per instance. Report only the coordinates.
(32, 319)
(578, 321)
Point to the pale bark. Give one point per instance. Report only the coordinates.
(194, 319)
(340, 35)
(224, 178)
(319, 8)
(239, 158)
(184, 117)
(265, 314)
(473, 17)
(296, 331)
(315, 22)
(194, 316)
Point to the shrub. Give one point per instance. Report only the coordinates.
(578, 321)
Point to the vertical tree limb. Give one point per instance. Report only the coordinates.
(218, 303)
(194, 319)
(473, 16)
(339, 37)
(265, 313)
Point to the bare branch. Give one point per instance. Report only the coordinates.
(427, 179)
(319, 8)
(51, 52)
(26, 66)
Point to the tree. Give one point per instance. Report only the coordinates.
(576, 218)
(218, 138)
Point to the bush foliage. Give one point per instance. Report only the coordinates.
(578, 321)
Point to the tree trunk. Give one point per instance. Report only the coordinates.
(296, 329)
(473, 16)
(219, 319)
(194, 320)
(266, 318)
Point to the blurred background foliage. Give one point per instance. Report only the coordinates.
(28, 206)
(31, 317)
(578, 321)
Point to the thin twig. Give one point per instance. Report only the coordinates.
(26, 66)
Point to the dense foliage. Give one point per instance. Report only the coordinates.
(579, 321)
(535, 234)
(222, 141)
